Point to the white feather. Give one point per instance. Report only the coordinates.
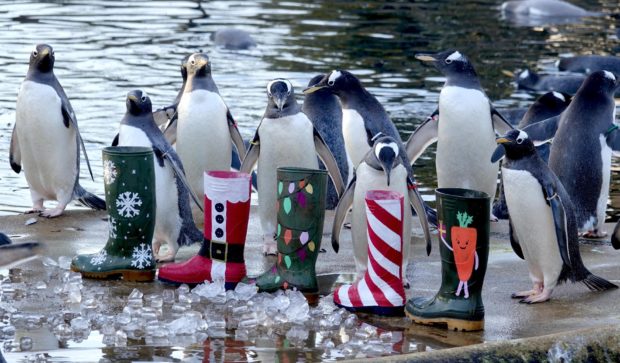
(355, 137)
(333, 76)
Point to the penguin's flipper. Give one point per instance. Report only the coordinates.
(167, 154)
(424, 136)
(115, 140)
(500, 124)
(251, 156)
(164, 115)
(15, 154)
(330, 162)
(560, 221)
(344, 204)
(613, 139)
(543, 131)
(418, 205)
(170, 131)
(234, 134)
(69, 119)
(514, 241)
(615, 237)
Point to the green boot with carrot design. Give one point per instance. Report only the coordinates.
(464, 248)
(301, 210)
(129, 178)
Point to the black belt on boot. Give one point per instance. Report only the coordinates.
(222, 251)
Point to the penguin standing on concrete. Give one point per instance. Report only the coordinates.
(543, 228)
(173, 217)
(205, 126)
(381, 169)
(551, 104)
(166, 117)
(323, 109)
(463, 127)
(285, 137)
(583, 140)
(363, 117)
(46, 139)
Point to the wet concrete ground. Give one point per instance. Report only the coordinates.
(572, 306)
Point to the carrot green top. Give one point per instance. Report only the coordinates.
(464, 219)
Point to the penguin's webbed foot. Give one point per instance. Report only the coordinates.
(34, 210)
(493, 218)
(534, 299)
(52, 213)
(168, 257)
(536, 290)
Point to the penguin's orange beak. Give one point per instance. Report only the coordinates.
(425, 57)
(502, 140)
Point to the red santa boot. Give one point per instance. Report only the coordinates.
(381, 290)
(227, 212)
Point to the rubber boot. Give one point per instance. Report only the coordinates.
(464, 247)
(129, 180)
(300, 209)
(381, 290)
(227, 212)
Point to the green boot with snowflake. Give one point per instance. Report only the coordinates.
(129, 178)
(300, 209)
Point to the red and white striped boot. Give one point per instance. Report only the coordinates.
(227, 212)
(381, 290)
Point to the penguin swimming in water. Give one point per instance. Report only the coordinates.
(584, 137)
(323, 109)
(532, 81)
(173, 217)
(285, 137)
(205, 126)
(381, 169)
(543, 12)
(47, 141)
(590, 63)
(363, 117)
(543, 228)
(551, 104)
(463, 127)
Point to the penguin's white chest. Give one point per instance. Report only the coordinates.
(533, 223)
(203, 139)
(466, 141)
(167, 210)
(286, 141)
(354, 133)
(48, 148)
(601, 205)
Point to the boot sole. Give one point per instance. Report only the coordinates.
(452, 324)
(376, 310)
(227, 285)
(126, 275)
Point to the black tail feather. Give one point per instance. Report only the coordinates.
(596, 283)
(431, 215)
(89, 199)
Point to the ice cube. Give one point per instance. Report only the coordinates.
(350, 322)
(80, 324)
(281, 303)
(297, 334)
(64, 262)
(183, 289)
(168, 296)
(123, 319)
(135, 295)
(245, 292)
(63, 332)
(48, 262)
(120, 339)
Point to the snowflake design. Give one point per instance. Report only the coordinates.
(109, 172)
(112, 227)
(128, 204)
(99, 258)
(142, 256)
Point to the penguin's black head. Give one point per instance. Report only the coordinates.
(516, 144)
(184, 67)
(42, 58)
(455, 66)
(138, 103)
(527, 79)
(386, 150)
(337, 82)
(281, 95)
(604, 82)
(554, 101)
(198, 65)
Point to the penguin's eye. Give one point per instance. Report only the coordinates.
(448, 61)
(330, 82)
(519, 141)
(143, 98)
(193, 62)
(35, 53)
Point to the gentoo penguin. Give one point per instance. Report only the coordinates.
(381, 169)
(166, 117)
(363, 117)
(46, 139)
(463, 127)
(543, 229)
(551, 104)
(543, 12)
(235, 39)
(205, 126)
(583, 139)
(173, 217)
(590, 63)
(532, 81)
(323, 109)
(285, 137)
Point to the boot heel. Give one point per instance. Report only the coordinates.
(464, 325)
(312, 297)
(139, 276)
